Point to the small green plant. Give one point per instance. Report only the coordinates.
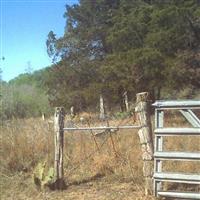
(44, 177)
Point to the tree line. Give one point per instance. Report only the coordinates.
(112, 47)
(24, 96)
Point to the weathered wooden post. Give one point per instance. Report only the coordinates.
(59, 144)
(43, 116)
(125, 95)
(101, 107)
(72, 114)
(146, 141)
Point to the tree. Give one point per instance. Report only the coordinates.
(81, 49)
(113, 46)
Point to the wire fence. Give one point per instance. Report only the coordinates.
(103, 150)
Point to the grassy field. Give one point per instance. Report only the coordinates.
(104, 167)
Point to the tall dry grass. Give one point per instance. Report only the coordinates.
(116, 157)
(24, 143)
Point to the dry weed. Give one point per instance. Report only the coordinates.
(110, 166)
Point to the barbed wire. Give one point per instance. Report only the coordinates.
(109, 135)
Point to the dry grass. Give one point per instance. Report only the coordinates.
(95, 167)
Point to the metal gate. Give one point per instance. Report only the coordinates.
(185, 107)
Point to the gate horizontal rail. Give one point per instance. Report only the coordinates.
(101, 128)
(171, 104)
(177, 131)
(173, 155)
(185, 195)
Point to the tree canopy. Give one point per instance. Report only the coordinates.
(109, 48)
(113, 46)
(125, 45)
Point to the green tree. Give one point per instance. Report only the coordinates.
(81, 49)
(25, 96)
(113, 46)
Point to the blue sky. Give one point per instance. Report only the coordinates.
(25, 25)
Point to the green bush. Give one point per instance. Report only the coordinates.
(23, 101)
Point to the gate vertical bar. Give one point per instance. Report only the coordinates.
(59, 144)
(159, 123)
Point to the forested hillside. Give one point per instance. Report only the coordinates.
(25, 96)
(114, 46)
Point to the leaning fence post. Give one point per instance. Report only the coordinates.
(59, 143)
(146, 141)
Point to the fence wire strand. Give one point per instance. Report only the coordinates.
(108, 134)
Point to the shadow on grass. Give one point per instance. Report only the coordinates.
(87, 180)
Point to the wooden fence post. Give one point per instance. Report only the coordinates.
(146, 141)
(101, 107)
(72, 113)
(125, 95)
(59, 117)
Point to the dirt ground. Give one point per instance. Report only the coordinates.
(22, 188)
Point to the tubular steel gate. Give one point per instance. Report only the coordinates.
(185, 107)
